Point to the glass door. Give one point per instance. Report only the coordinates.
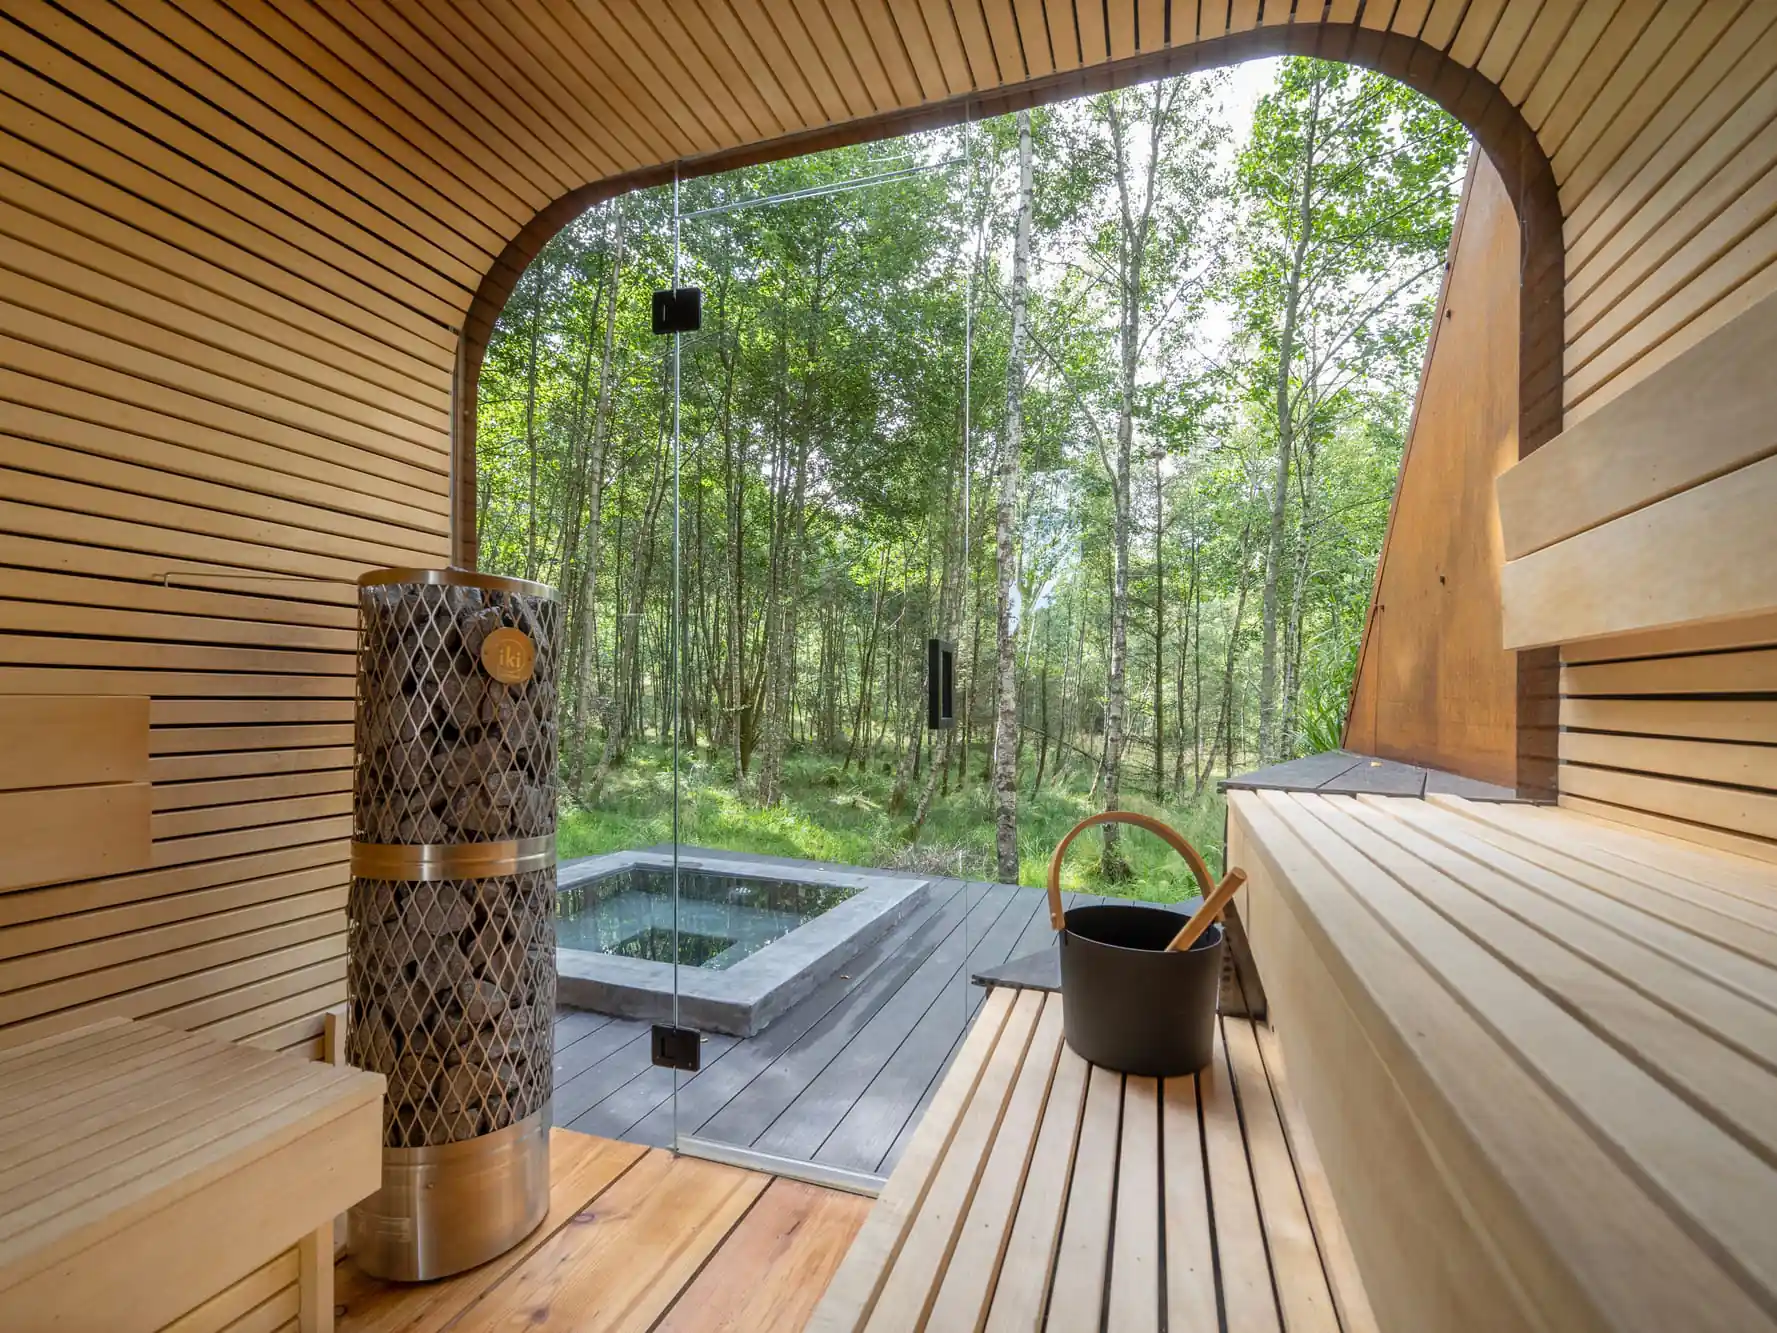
(827, 716)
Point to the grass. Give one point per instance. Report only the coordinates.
(829, 816)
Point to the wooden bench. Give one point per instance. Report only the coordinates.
(155, 1179)
(1537, 1052)
(1040, 1192)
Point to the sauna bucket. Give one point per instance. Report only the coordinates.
(1129, 1002)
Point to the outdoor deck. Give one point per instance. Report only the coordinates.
(840, 1078)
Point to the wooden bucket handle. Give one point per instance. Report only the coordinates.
(1215, 896)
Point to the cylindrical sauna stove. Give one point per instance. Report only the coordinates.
(451, 914)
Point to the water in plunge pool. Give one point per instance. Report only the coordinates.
(722, 918)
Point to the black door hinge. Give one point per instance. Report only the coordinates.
(677, 1048)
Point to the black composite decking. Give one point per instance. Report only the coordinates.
(841, 1078)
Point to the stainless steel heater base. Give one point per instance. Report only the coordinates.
(447, 1208)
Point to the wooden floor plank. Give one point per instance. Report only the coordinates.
(580, 1168)
(1076, 1299)
(1135, 1249)
(1302, 1291)
(1021, 1293)
(913, 1279)
(774, 1266)
(620, 1263)
(968, 1281)
(1190, 1251)
(1247, 1295)
(852, 1294)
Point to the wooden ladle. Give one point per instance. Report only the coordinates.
(1206, 914)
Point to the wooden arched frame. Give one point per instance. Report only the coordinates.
(1502, 133)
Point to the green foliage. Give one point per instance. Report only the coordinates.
(827, 816)
(831, 498)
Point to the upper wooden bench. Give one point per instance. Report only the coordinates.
(1537, 1052)
(1040, 1192)
(149, 1176)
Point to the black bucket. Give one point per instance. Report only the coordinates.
(1127, 1003)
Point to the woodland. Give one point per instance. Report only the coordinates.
(1110, 394)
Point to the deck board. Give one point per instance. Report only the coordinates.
(843, 1076)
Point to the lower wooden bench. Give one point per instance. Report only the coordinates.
(1041, 1192)
(156, 1179)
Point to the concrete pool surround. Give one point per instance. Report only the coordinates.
(742, 999)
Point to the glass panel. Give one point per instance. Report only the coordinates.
(823, 476)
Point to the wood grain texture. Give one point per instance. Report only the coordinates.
(581, 1168)
(620, 1263)
(774, 1265)
(1703, 554)
(1706, 413)
(57, 741)
(248, 245)
(1433, 684)
(1443, 1000)
(62, 833)
(1104, 1199)
(251, 1153)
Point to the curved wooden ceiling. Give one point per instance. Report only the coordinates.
(238, 239)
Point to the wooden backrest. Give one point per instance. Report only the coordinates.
(1643, 540)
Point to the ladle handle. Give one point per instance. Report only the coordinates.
(1174, 839)
(1208, 911)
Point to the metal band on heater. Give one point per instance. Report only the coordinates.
(441, 860)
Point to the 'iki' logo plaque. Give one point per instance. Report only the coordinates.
(509, 655)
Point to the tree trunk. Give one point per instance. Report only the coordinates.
(1005, 734)
(1292, 300)
(595, 498)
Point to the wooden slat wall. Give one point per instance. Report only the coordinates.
(228, 305)
(238, 239)
(1677, 732)
(267, 1300)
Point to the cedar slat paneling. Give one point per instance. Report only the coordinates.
(244, 236)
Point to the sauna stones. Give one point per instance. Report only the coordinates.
(453, 986)
(447, 754)
(452, 981)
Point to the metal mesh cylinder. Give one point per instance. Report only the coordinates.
(451, 914)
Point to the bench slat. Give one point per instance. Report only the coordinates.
(1022, 1290)
(1190, 1253)
(1612, 847)
(1240, 1242)
(1134, 1302)
(1720, 1188)
(910, 1289)
(1587, 1245)
(1516, 885)
(1077, 1297)
(1302, 1287)
(851, 1296)
(139, 1162)
(968, 1282)
(197, 1111)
